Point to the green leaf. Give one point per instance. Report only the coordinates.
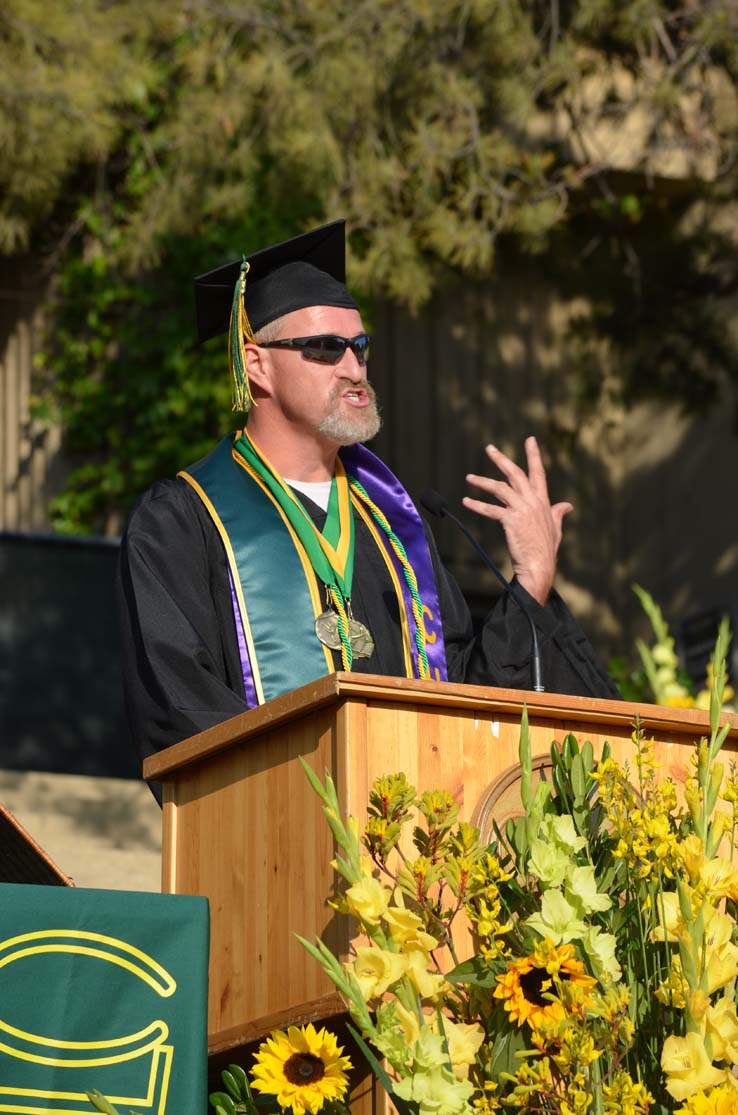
(473, 973)
(99, 1101)
(504, 1055)
(222, 1103)
(578, 778)
(240, 1081)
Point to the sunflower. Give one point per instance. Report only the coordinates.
(722, 1100)
(525, 986)
(302, 1068)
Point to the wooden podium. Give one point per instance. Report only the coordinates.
(243, 827)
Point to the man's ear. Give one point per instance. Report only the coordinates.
(258, 368)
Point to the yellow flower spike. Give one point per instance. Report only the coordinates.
(624, 1097)
(409, 1022)
(719, 876)
(463, 1040)
(367, 900)
(687, 1067)
(722, 968)
(673, 990)
(693, 798)
(691, 852)
(405, 926)
(376, 969)
(429, 985)
(697, 1004)
(730, 787)
(486, 919)
(671, 922)
(722, 1030)
(303, 1068)
(366, 866)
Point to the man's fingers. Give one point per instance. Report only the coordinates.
(558, 511)
(514, 473)
(536, 471)
(497, 488)
(516, 476)
(489, 510)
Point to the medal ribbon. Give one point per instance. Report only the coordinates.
(331, 553)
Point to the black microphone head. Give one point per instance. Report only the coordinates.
(434, 502)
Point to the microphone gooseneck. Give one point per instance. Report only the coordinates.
(435, 503)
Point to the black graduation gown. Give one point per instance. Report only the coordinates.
(181, 668)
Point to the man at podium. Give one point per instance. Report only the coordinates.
(291, 550)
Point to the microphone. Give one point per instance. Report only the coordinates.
(435, 503)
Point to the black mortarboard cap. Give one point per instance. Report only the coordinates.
(308, 270)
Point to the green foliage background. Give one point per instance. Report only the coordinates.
(144, 143)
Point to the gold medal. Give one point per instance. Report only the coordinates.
(326, 628)
(360, 637)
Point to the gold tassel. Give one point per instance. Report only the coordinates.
(239, 333)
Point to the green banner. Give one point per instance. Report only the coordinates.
(102, 990)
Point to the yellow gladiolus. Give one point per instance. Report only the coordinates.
(463, 1040)
(692, 853)
(688, 1068)
(719, 877)
(427, 984)
(405, 926)
(670, 918)
(367, 900)
(377, 969)
(409, 1022)
(722, 1029)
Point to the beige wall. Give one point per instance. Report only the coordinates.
(102, 832)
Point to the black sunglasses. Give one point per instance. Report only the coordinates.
(326, 348)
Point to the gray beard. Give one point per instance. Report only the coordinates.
(347, 429)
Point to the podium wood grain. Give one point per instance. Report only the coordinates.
(243, 827)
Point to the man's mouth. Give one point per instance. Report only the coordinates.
(359, 395)
(356, 396)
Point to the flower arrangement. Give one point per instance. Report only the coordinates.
(605, 944)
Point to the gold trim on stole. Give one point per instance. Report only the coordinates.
(409, 671)
(236, 583)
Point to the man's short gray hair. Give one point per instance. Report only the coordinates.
(268, 332)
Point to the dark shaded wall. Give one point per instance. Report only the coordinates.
(490, 362)
(61, 704)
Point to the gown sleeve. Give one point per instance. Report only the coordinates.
(181, 671)
(499, 653)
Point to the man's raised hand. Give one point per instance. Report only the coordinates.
(532, 524)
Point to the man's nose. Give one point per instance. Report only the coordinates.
(349, 367)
